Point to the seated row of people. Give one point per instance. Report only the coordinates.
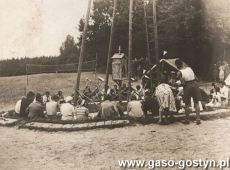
(35, 106)
(162, 100)
(219, 96)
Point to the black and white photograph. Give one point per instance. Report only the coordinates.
(114, 84)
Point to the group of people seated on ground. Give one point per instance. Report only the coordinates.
(34, 106)
(219, 95)
(176, 92)
(97, 95)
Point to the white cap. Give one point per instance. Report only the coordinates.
(68, 99)
(101, 79)
(178, 82)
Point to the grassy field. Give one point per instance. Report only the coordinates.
(12, 88)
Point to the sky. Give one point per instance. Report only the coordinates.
(37, 27)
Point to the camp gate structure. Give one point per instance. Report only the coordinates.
(87, 66)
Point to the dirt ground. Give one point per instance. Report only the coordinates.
(102, 148)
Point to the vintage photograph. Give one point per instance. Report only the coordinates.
(114, 84)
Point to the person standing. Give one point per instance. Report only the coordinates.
(191, 89)
(221, 72)
(227, 70)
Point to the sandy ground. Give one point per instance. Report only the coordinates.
(102, 148)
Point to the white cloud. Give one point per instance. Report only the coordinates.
(37, 27)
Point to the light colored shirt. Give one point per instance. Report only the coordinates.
(51, 108)
(46, 99)
(224, 92)
(187, 74)
(221, 72)
(139, 94)
(18, 106)
(134, 109)
(216, 100)
(108, 109)
(67, 111)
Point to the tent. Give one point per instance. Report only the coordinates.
(165, 63)
(168, 65)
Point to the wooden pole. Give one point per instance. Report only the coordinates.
(156, 38)
(147, 44)
(27, 80)
(130, 48)
(110, 47)
(146, 32)
(96, 67)
(82, 51)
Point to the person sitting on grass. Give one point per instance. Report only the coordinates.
(149, 104)
(224, 93)
(25, 103)
(216, 98)
(108, 109)
(46, 98)
(18, 105)
(67, 109)
(35, 109)
(60, 95)
(134, 108)
(87, 93)
(52, 107)
(139, 93)
(81, 112)
(124, 91)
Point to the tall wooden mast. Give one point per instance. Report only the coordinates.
(110, 46)
(82, 51)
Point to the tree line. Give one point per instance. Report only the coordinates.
(69, 53)
(185, 30)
